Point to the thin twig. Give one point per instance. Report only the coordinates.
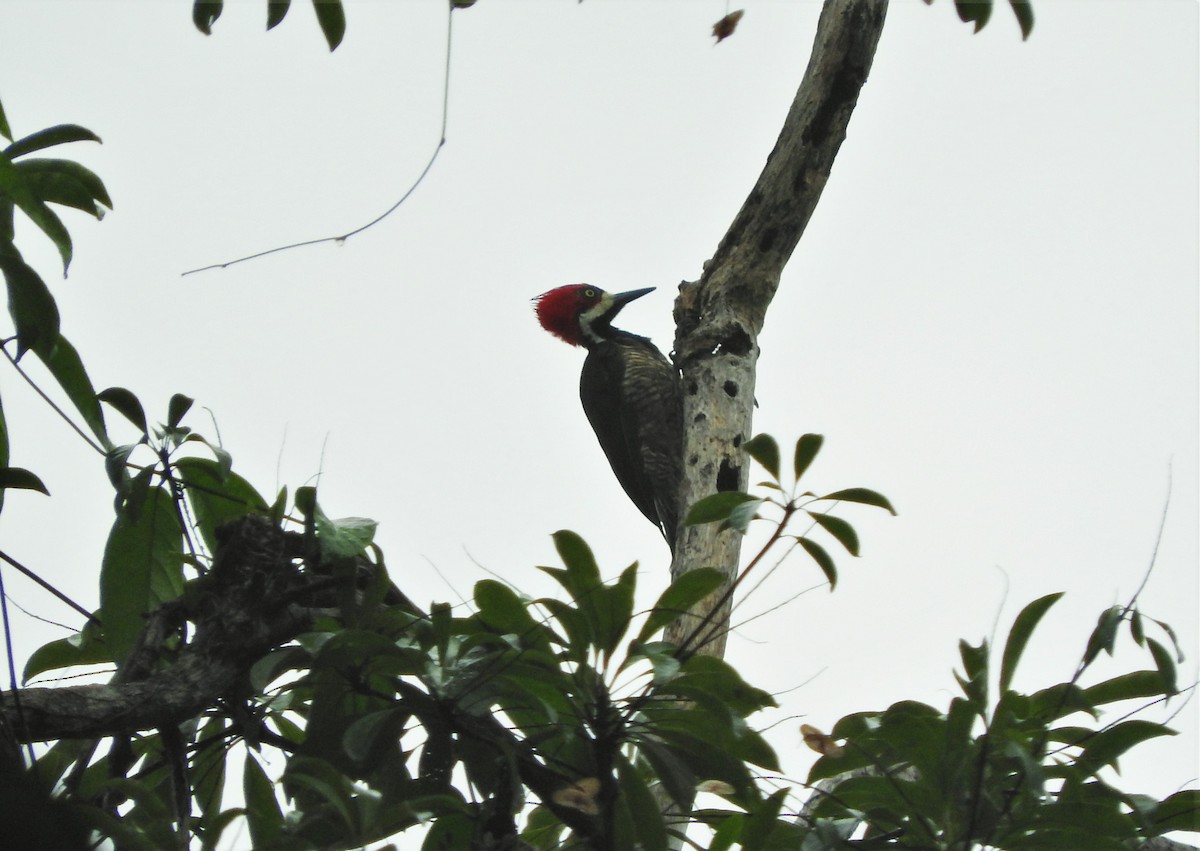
(59, 594)
(53, 405)
(345, 236)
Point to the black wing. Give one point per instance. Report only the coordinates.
(632, 398)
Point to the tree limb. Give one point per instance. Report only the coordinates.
(718, 318)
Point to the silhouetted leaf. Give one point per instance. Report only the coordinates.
(5, 130)
(763, 449)
(33, 310)
(1166, 665)
(1136, 628)
(17, 189)
(807, 448)
(66, 182)
(1018, 636)
(18, 478)
(716, 507)
(177, 408)
(864, 496)
(126, 404)
(1023, 9)
(842, 531)
(263, 814)
(332, 19)
(205, 14)
(276, 10)
(1104, 635)
(822, 558)
(974, 11)
(48, 138)
(67, 368)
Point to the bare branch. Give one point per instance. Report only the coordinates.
(718, 319)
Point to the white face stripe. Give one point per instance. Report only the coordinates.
(603, 306)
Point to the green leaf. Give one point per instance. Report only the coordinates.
(1104, 636)
(346, 536)
(761, 821)
(1165, 664)
(18, 478)
(862, 495)
(1131, 686)
(177, 408)
(1023, 9)
(716, 507)
(59, 181)
(1180, 811)
(142, 563)
(974, 11)
(1136, 628)
(332, 19)
(276, 11)
(31, 306)
(822, 558)
(740, 518)
(671, 769)
(975, 667)
(216, 498)
(502, 609)
(116, 460)
(763, 449)
(263, 814)
(82, 648)
(208, 771)
(582, 575)
(14, 185)
(126, 404)
(205, 14)
(614, 609)
(842, 531)
(67, 368)
(48, 138)
(1109, 744)
(680, 596)
(645, 813)
(5, 130)
(1022, 628)
(807, 448)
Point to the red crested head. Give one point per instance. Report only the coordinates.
(581, 314)
(559, 310)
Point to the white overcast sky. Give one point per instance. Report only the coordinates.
(992, 316)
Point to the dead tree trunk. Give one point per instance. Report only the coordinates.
(719, 317)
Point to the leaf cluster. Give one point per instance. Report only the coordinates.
(1018, 772)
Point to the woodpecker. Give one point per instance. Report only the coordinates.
(630, 393)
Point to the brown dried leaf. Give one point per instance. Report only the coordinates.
(819, 742)
(724, 28)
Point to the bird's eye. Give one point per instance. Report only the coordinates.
(589, 293)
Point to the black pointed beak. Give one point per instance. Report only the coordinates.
(622, 299)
